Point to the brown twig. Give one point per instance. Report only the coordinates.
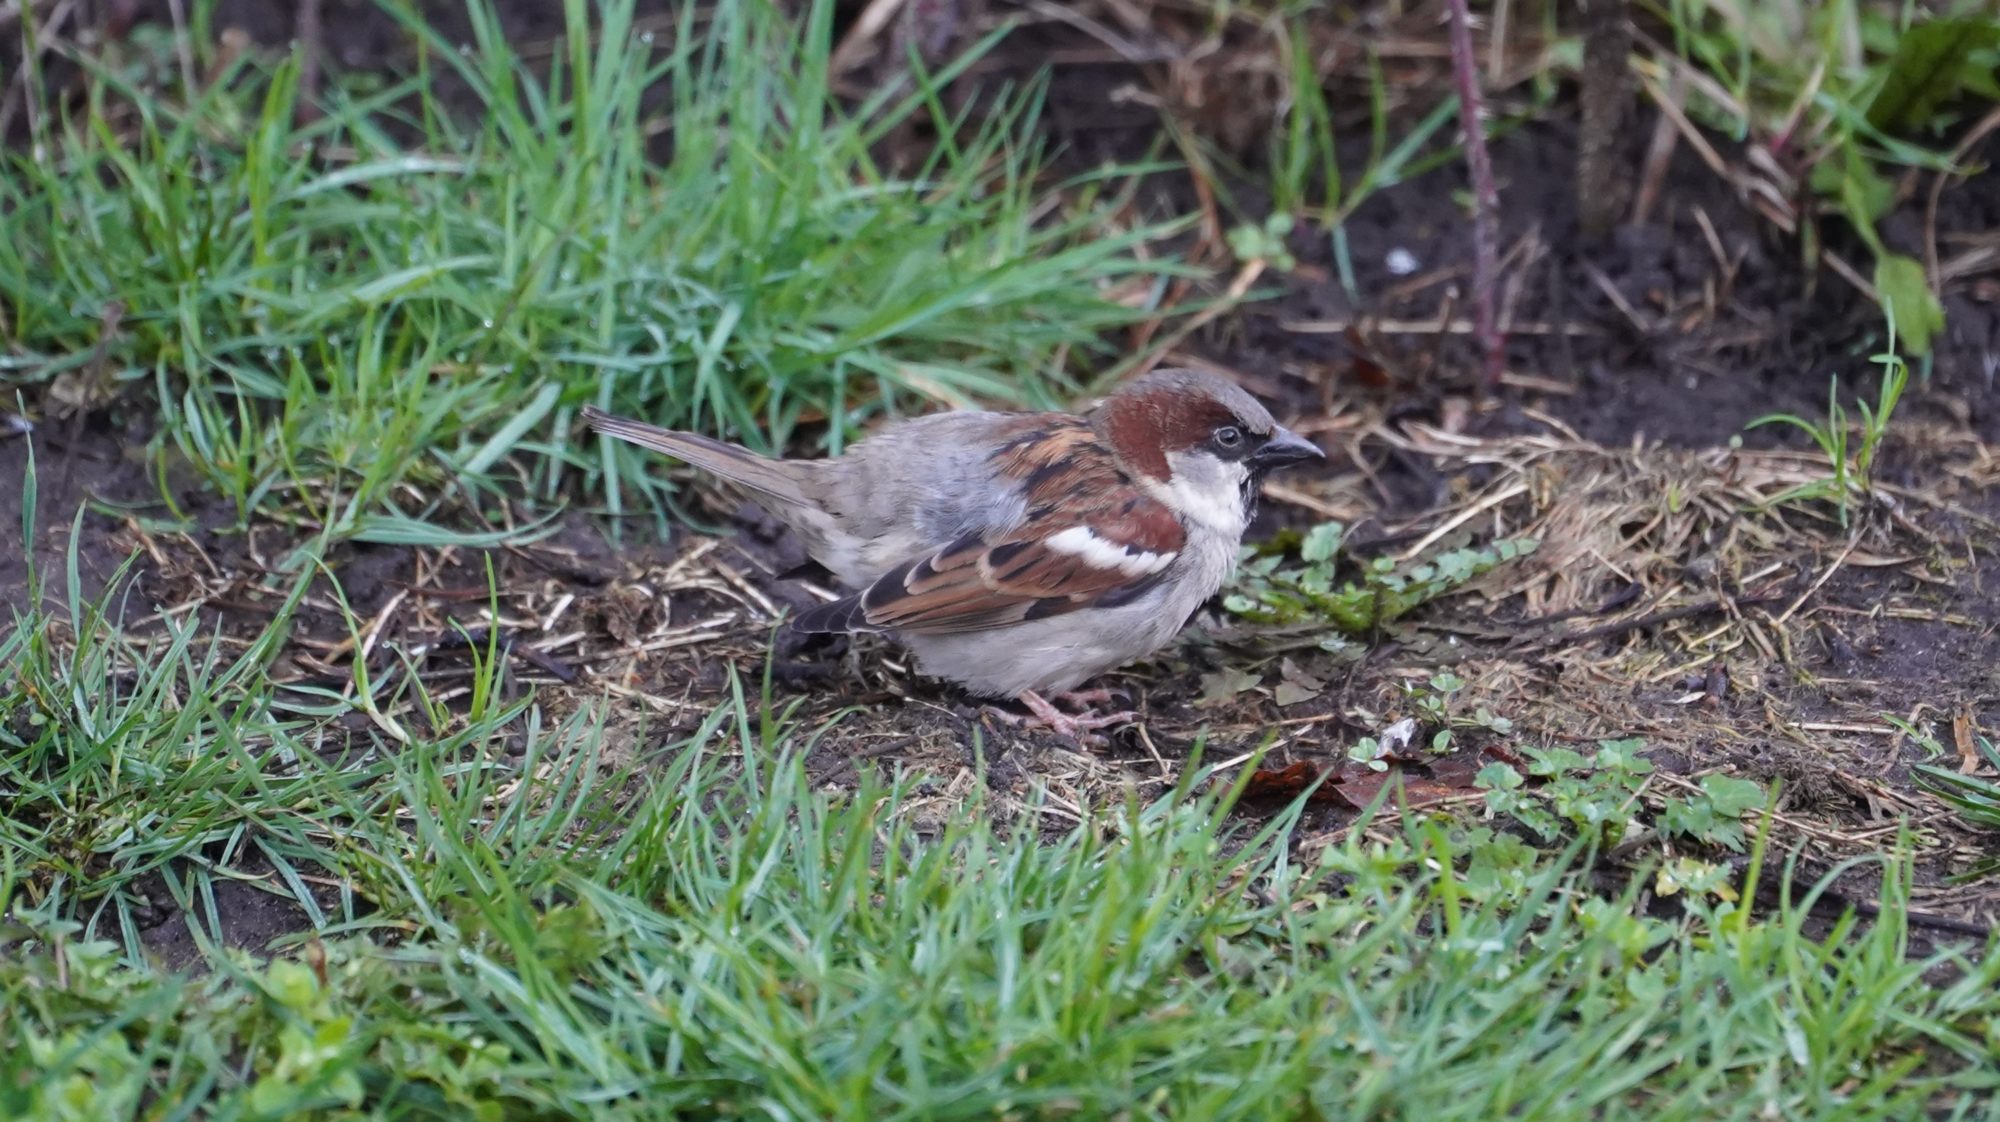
(1485, 195)
(1659, 155)
(1245, 277)
(183, 48)
(308, 31)
(1655, 619)
(873, 20)
(1972, 138)
(509, 643)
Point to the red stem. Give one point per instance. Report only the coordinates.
(1485, 196)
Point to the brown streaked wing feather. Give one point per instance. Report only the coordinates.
(981, 581)
(977, 584)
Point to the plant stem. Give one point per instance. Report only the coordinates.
(1603, 180)
(1485, 196)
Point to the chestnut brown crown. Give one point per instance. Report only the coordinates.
(1191, 411)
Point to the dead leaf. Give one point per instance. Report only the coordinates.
(1295, 685)
(1366, 364)
(1285, 782)
(1963, 739)
(1418, 791)
(1354, 786)
(1289, 694)
(1290, 671)
(1225, 684)
(1359, 788)
(1457, 770)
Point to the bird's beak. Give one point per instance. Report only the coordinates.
(1285, 447)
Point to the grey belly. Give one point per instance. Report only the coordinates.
(1051, 655)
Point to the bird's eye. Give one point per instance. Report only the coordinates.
(1229, 438)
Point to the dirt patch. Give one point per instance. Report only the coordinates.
(1681, 326)
(247, 916)
(1772, 646)
(72, 468)
(1681, 330)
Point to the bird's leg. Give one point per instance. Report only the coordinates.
(1075, 727)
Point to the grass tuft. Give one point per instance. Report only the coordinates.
(415, 290)
(1850, 450)
(752, 946)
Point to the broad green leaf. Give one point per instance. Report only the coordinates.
(1322, 542)
(1907, 298)
(1733, 797)
(1928, 69)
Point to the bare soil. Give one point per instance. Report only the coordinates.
(1673, 598)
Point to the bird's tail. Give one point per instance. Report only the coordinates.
(759, 473)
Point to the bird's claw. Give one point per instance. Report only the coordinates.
(1079, 727)
(1084, 699)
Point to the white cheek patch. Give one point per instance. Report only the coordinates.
(1209, 493)
(1083, 543)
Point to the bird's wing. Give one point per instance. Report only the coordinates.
(1090, 536)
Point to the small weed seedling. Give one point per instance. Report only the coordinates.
(1851, 456)
(1303, 158)
(1434, 707)
(1598, 796)
(1976, 798)
(1269, 591)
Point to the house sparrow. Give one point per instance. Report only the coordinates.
(1019, 554)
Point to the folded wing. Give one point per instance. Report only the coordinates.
(1059, 560)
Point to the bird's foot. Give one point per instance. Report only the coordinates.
(1084, 699)
(1079, 727)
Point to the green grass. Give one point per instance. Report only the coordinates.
(413, 291)
(701, 928)
(1850, 450)
(1303, 169)
(717, 937)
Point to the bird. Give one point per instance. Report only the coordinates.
(1020, 554)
